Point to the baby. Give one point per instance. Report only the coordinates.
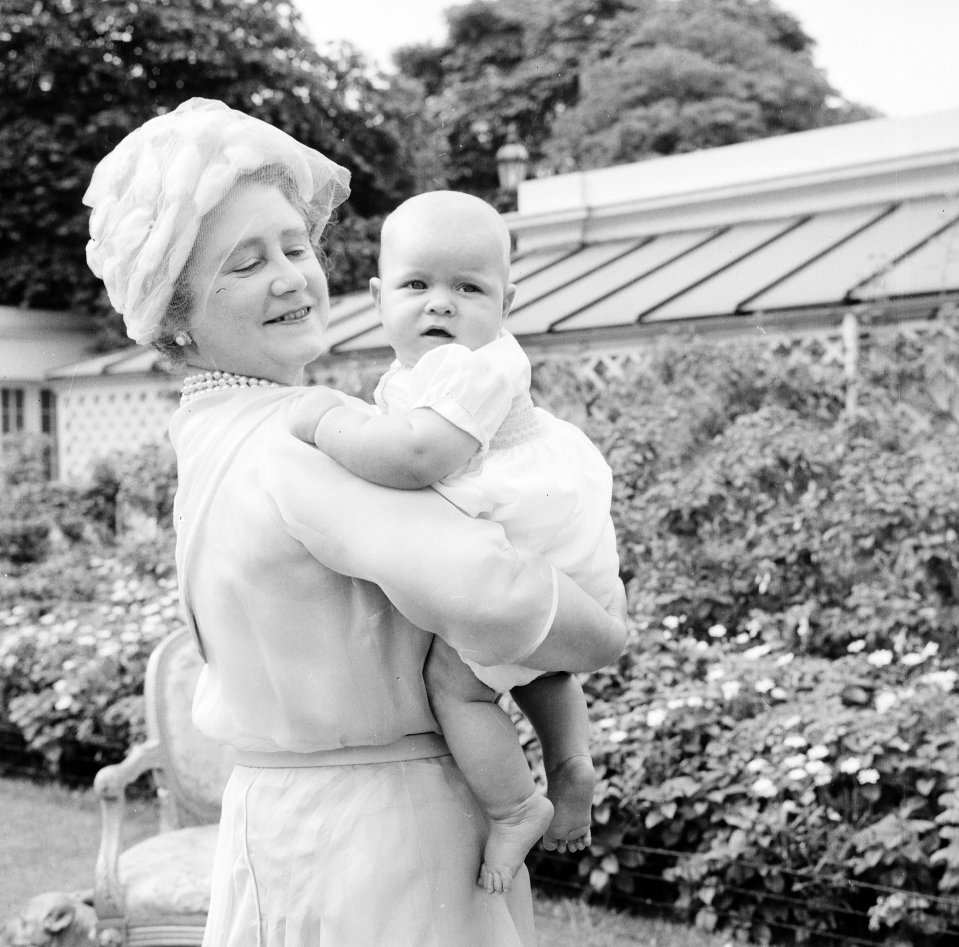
(457, 416)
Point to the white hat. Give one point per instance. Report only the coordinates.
(150, 194)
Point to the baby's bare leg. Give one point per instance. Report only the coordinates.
(484, 744)
(556, 707)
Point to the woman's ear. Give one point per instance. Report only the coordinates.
(508, 296)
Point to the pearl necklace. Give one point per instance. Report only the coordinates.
(206, 383)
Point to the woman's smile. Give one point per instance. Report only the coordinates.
(297, 315)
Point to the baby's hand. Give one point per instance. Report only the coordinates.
(305, 414)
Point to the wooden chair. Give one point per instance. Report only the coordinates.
(157, 892)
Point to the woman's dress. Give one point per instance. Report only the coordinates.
(312, 594)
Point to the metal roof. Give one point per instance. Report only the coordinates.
(783, 233)
(889, 252)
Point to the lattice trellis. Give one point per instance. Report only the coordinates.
(100, 418)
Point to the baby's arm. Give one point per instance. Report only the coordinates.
(407, 452)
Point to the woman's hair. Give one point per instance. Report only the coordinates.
(153, 192)
(182, 307)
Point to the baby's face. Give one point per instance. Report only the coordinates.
(439, 285)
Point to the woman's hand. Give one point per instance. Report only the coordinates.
(308, 410)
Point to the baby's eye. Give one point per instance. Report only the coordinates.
(470, 288)
(416, 284)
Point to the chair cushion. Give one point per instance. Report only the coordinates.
(169, 874)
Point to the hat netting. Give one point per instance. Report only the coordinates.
(150, 195)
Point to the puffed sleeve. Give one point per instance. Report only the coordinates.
(448, 574)
(472, 389)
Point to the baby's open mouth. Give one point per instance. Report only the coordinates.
(437, 333)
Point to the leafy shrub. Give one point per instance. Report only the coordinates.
(775, 794)
(72, 671)
(744, 495)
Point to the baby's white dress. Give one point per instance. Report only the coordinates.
(538, 476)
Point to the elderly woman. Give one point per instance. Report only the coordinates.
(313, 594)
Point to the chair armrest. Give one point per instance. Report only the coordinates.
(110, 786)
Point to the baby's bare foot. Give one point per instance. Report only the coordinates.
(570, 789)
(509, 842)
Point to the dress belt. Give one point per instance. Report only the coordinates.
(413, 746)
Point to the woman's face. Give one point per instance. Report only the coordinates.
(261, 296)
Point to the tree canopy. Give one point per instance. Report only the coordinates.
(77, 75)
(592, 83)
(586, 83)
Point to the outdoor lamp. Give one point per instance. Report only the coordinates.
(512, 161)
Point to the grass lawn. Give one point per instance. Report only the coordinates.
(50, 837)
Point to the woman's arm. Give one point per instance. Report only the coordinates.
(447, 573)
(408, 452)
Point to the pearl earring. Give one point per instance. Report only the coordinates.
(183, 338)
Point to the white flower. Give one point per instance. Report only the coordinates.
(743, 637)
(617, 736)
(759, 651)
(794, 721)
(778, 693)
(885, 700)
(791, 762)
(764, 685)
(854, 647)
(655, 717)
(868, 776)
(757, 765)
(815, 766)
(796, 774)
(851, 764)
(764, 787)
(929, 651)
(824, 776)
(607, 722)
(784, 659)
(730, 689)
(671, 622)
(675, 703)
(715, 673)
(717, 631)
(795, 740)
(789, 807)
(818, 752)
(694, 701)
(944, 679)
(880, 659)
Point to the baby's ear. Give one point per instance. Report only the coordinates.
(508, 296)
(375, 286)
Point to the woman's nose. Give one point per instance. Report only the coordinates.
(288, 279)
